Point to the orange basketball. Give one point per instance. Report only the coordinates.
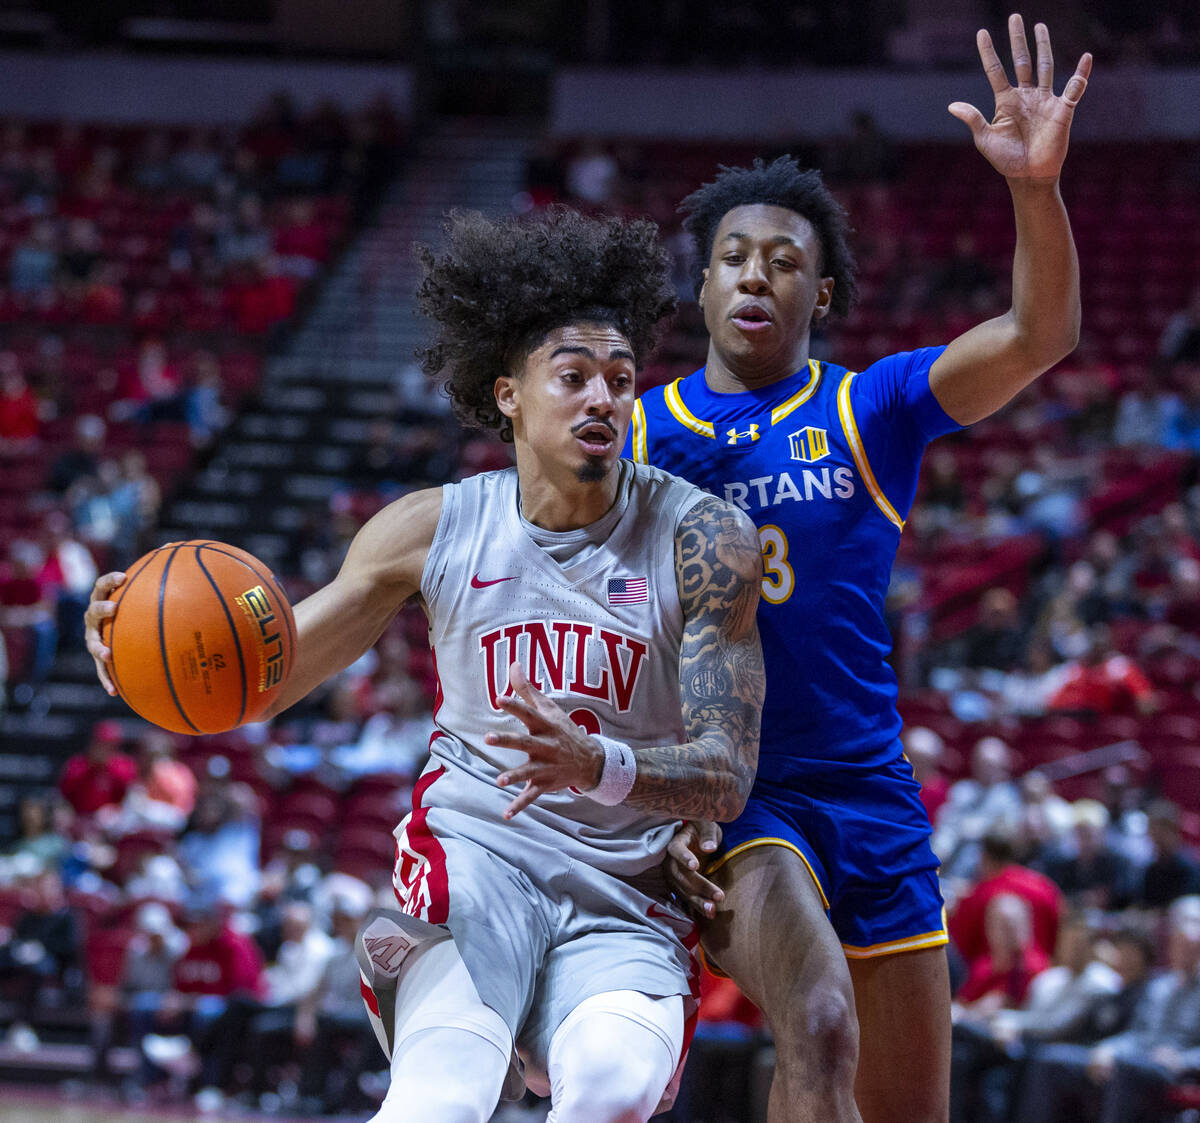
(203, 637)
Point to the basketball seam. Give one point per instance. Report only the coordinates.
(112, 629)
(162, 640)
(237, 643)
(279, 596)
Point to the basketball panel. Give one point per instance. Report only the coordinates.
(263, 621)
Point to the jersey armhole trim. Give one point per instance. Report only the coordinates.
(850, 427)
(800, 396)
(447, 521)
(639, 438)
(685, 417)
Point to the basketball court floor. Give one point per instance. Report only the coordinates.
(37, 1105)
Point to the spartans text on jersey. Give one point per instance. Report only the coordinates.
(771, 491)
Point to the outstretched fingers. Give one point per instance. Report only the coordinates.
(1045, 57)
(992, 66)
(1022, 61)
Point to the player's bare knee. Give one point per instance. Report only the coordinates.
(819, 1035)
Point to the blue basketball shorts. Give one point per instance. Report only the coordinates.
(864, 836)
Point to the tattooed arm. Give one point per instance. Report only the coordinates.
(718, 564)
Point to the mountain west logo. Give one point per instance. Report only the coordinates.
(565, 657)
(735, 436)
(809, 444)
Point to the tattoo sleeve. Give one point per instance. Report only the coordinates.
(718, 565)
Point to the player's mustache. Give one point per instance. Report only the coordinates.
(577, 429)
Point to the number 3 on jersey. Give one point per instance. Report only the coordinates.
(778, 578)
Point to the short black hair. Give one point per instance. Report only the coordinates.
(781, 183)
(1000, 846)
(501, 285)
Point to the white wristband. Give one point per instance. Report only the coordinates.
(620, 771)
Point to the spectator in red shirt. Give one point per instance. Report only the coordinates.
(70, 570)
(1101, 681)
(999, 874)
(100, 776)
(19, 423)
(151, 385)
(220, 962)
(28, 606)
(1000, 978)
(302, 241)
(219, 965)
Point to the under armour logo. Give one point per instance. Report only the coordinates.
(735, 436)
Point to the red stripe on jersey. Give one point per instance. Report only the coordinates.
(368, 996)
(421, 886)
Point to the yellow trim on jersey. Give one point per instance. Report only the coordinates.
(685, 416)
(800, 396)
(771, 842)
(860, 454)
(639, 433)
(894, 947)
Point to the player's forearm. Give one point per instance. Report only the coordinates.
(1045, 286)
(721, 678)
(722, 684)
(709, 778)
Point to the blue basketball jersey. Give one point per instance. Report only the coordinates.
(825, 463)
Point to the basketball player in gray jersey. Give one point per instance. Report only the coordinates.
(600, 678)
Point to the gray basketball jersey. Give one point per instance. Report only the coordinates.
(599, 632)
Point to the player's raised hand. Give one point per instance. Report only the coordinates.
(561, 755)
(100, 607)
(1027, 137)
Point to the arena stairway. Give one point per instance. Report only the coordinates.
(288, 450)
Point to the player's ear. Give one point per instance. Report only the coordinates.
(824, 298)
(703, 287)
(505, 390)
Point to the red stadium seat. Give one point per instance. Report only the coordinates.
(104, 954)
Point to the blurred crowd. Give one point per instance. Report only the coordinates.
(147, 270)
(1075, 931)
(202, 910)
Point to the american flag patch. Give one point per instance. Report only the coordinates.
(628, 590)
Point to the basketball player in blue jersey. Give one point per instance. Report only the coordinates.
(828, 911)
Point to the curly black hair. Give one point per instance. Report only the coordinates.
(781, 183)
(501, 286)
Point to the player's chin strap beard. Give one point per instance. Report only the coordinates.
(593, 472)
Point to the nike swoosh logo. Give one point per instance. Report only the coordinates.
(477, 584)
